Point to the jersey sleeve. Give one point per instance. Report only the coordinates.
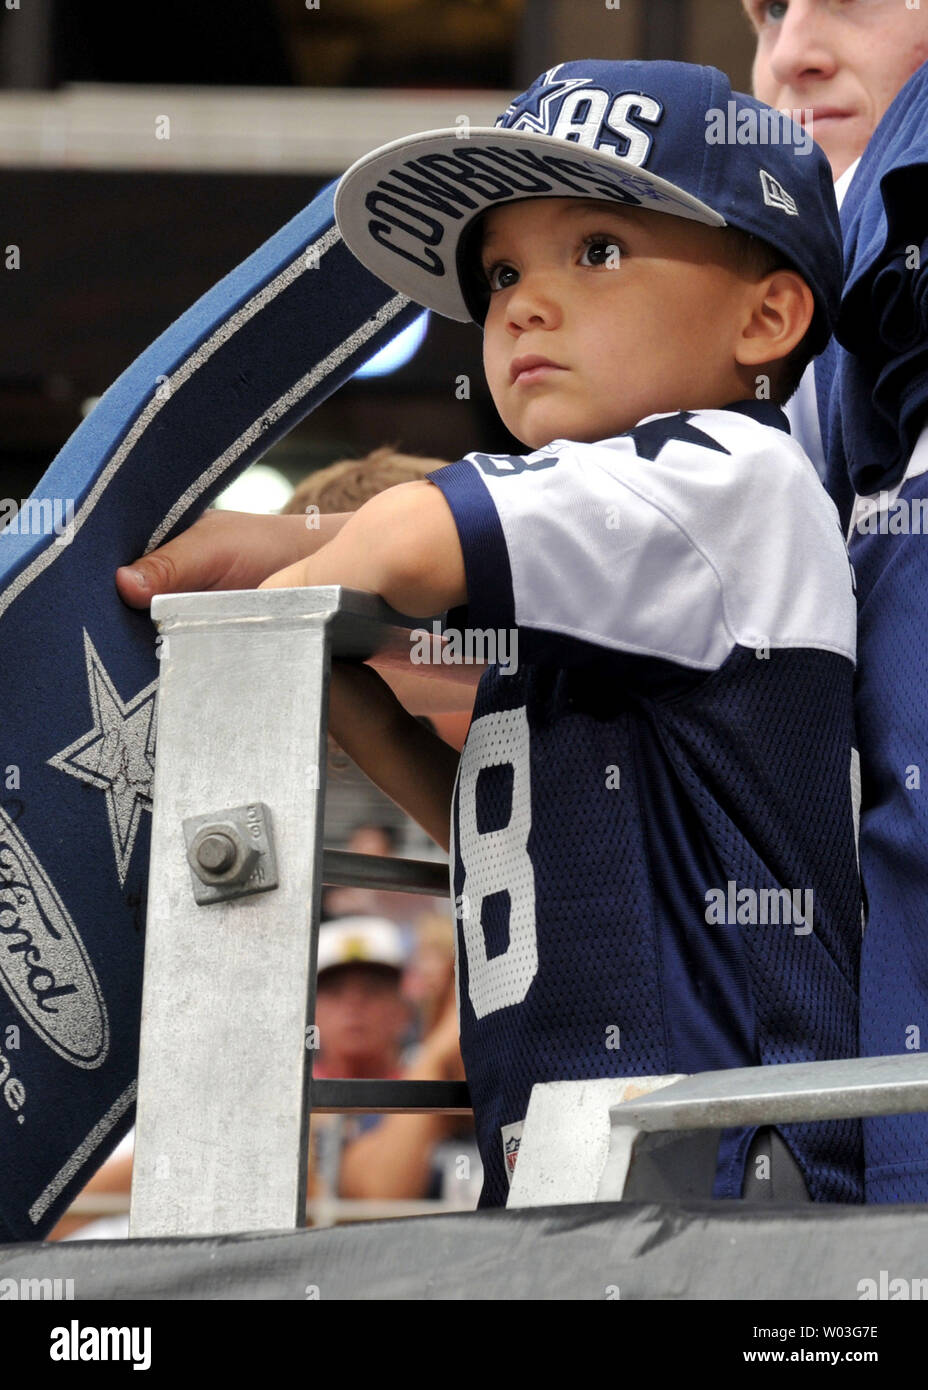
(692, 534)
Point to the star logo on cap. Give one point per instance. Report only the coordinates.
(547, 91)
(117, 755)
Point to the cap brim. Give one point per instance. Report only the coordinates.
(402, 208)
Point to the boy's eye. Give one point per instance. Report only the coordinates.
(496, 276)
(768, 11)
(598, 250)
(601, 250)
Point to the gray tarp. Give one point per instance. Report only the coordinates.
(706, 1250)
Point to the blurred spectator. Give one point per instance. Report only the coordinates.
(347, 484)
(405, 909)
(430, 973)
(362, 1017)
(360, 1010)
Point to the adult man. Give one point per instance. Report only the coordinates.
(362, 1018)
(843, 62)
(848, 64)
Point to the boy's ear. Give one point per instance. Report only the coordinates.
(781, 309)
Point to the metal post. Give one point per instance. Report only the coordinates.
(234, 896)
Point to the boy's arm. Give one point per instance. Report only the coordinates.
(405, 760)
(403, 544)
(429, 690)
(235, 550)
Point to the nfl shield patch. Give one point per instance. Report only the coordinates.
(512, 1138)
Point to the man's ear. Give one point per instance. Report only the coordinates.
(780, 312)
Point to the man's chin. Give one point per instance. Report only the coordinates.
(843, 141)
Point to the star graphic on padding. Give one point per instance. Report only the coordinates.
(117, 755)
(651, 437)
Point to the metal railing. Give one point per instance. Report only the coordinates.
(237, 868)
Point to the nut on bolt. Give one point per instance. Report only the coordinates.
(219, 854)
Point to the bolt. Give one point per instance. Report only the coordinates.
(216, 853)
(219, 854)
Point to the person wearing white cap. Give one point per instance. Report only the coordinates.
(360, 941)
(362, 1017)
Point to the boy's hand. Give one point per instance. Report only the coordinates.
(223, 550)
(299, 575)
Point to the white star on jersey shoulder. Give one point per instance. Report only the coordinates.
(117, 755)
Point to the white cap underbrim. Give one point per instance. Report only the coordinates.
(408, 235)
(360, 941)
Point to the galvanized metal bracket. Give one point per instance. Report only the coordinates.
(231, 853)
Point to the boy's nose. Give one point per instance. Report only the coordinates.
(535, 300)
(804, 50)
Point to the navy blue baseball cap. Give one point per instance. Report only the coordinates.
(672, 137)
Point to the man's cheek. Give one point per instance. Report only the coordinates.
(762, 79)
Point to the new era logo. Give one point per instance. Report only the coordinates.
(776, 196)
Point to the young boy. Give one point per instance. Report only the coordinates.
(652, 826)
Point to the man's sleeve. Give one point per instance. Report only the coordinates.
(890, 556)
(677, 542)
(876, 404)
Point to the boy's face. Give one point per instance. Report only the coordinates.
(844, 60)
(636, 309)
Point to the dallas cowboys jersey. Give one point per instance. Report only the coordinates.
(653, 837)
